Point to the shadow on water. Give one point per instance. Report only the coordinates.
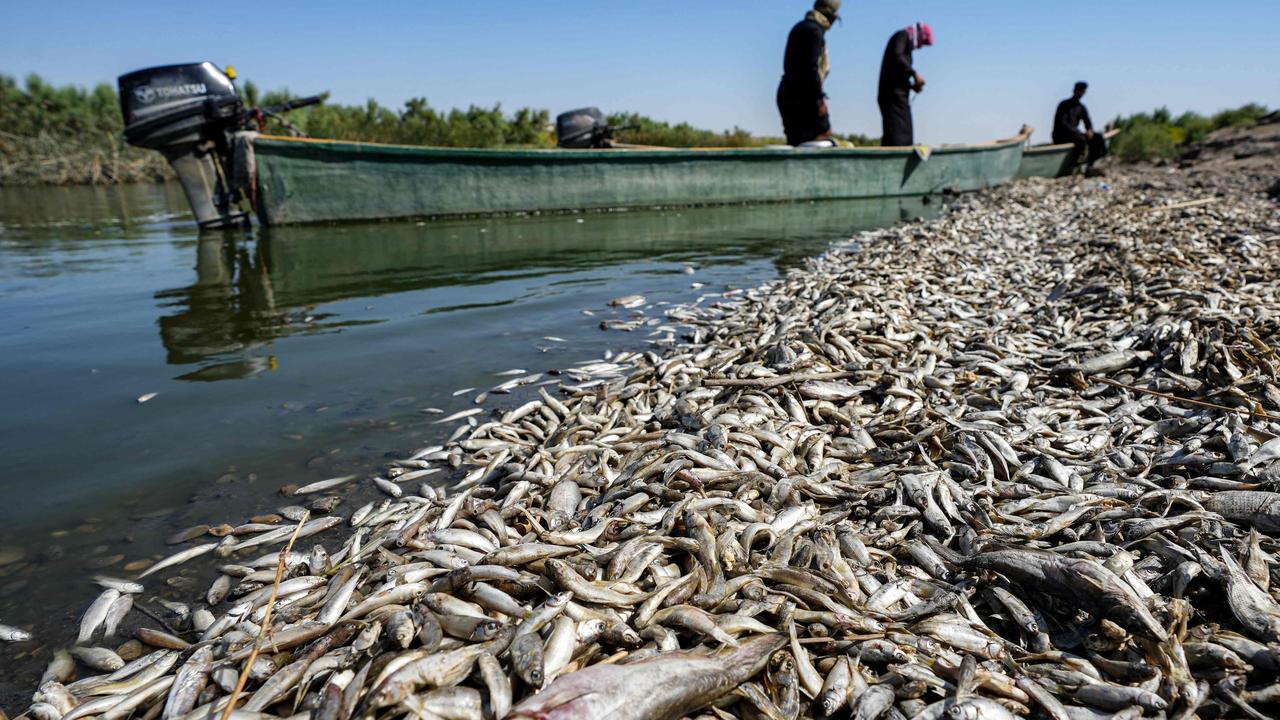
(292, 354)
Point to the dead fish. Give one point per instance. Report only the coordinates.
(98, 658)
(94, 617)
(459, 416)
(179, 558)
(666, 686)
(11, 634)
(323, 485)
(628, 301)
(1253, 507)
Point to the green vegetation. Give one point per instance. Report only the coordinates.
(416, 124)
(70, 135)
(647, 131)
(67, 135)
(1159, 135)
(858, 139)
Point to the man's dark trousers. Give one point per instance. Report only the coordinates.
(895, 111)
(1096, 146)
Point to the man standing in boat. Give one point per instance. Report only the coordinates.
(801, 100)
(1066, 129)
(897, 79)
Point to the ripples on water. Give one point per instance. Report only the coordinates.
(292, 354)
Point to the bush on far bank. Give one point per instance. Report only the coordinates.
(1158, 135)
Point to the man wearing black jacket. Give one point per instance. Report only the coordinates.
(801, 101)
(897, 79)
(1066, 129)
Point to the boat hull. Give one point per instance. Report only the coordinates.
(303, 181)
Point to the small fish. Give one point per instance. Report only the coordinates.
(459, 415)
(60, 669)
(94, 617)
(188, 683)
(666, 686)
(122, 586)
(322, 485)
(628, 301)
(218, 590)
(116, 614)
(388, 487)
(179, 558)
(11, 634)
(98, 658)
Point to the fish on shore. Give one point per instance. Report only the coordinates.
(662, 687)
(1017, 461)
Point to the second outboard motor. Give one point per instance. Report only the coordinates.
(582, 129)
(187, 112)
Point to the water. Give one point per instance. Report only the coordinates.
(294, 354)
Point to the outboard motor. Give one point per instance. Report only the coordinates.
(582, 129)
(192, 114)
(187, 113)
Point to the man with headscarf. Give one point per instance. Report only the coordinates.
(801, 101)
(1066, 129)
(897, 79)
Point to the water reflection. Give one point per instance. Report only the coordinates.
(229, 309)
(251, 290)
(74, 213)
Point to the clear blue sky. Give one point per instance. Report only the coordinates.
(714, 63)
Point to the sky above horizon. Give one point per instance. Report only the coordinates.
(713, 63)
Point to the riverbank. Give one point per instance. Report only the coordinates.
(47, 159)
(1016, 430)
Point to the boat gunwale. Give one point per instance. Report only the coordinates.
(1062, 147)
(274, 142)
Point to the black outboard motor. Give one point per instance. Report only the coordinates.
(188, 112)
(193, 115)
(582, 129)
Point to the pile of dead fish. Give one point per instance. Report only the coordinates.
(1018, 461)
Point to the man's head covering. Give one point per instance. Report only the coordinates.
(921, 34)
(830, 9)
(1082, 85)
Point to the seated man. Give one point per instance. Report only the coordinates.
(1066, 129)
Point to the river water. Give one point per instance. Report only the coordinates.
(294, 354)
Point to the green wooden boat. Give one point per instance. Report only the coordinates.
(1050, 161)
(303, 181)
